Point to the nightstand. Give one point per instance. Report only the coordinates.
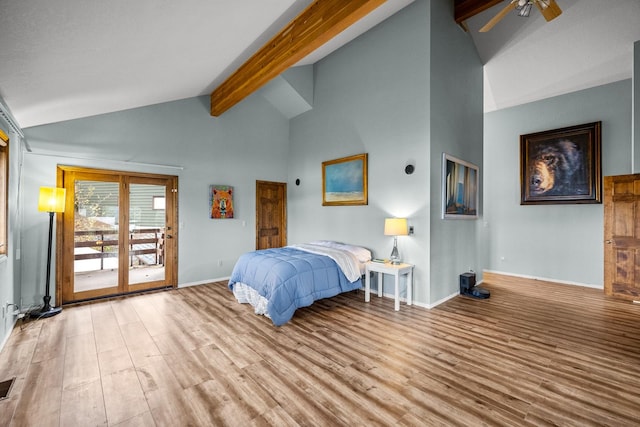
(383, 268)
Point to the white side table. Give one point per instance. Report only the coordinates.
(388, 268)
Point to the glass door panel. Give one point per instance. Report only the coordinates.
(147, 225)
(96, 235)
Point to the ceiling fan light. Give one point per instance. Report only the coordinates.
(525, 10)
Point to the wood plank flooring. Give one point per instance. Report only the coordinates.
(534, 354)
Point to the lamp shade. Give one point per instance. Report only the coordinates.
(395, 227)
(51, 199)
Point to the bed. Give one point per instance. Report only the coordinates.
(278, 281)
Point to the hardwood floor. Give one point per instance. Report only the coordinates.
(533, 354)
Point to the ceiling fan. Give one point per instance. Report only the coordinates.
(549, 9)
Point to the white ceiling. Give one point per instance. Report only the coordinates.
(61, 60)
(528, 59)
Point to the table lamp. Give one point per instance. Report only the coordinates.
(395, 227)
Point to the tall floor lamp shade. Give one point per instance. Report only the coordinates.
(51, 200)
(395, 227)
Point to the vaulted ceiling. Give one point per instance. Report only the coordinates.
(528, 59)
(65, 60)
(76, 58)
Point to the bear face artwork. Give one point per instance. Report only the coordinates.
(562, 166)
(221, 202)
(557, 168)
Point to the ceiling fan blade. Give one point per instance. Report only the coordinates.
(549, 9)
(489, 25)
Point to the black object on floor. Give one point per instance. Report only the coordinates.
(468, 287)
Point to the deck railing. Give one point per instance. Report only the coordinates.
(146, 245)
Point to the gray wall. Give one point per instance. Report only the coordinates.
(371, 96)
(205, 150)
(381, 95)
(10, 289)
(456, 129)
(558, 242)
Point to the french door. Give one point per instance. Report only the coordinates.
(118, 233)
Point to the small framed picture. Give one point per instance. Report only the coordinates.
(459, 188)
(221, 201)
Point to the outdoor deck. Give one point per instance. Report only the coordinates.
(96, 258)
(99, 279)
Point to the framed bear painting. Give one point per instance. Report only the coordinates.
(562, 166)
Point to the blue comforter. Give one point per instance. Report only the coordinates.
(290, 278)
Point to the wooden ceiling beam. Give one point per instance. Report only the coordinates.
(465, 9)
(317, 24)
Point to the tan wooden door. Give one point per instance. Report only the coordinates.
(622, 236)
(271, 214)
(118, 233)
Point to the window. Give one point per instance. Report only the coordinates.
(4, 190)
(159, 203)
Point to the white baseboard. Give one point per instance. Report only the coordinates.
(422, 305)
(202, 282)
(546, 279)
(6, 339)
(445, 299)
(374, 293)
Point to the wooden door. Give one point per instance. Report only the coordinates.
(118, 233)
(622, 236)
(271, 214)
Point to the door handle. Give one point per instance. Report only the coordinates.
(169, 236)
(608, 242)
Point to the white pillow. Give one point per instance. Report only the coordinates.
(362, 254)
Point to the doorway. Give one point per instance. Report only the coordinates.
(118, 233)
(271, 214)
(622, 236)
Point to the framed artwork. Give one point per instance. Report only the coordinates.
(459, 188)
(561, 166)
(221, 201)
(344, 181)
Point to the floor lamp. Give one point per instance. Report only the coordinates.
(51, 200)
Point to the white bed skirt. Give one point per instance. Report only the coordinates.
(247, 295)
